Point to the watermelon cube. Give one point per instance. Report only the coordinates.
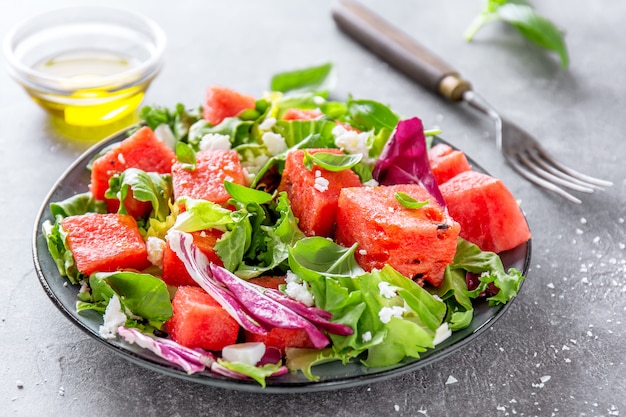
(418, 243)
(222, 102)
(487, 211)
(206, 181)
(142, 150)
(282, 338)
(198, 321)
(446, 162)
(314, 193)
(174, 271)
(105, 242)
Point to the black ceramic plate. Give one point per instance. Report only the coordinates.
(332, 375)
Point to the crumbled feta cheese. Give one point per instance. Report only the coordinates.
(274, 143)
(362, 252)
(318, 173)
(155, 247)
(298, 290)
(215, 142)
(371, 183)
(351, 141)
(321, 184)
(165, 135)
(267, 124)
(84, 286)
(114, 317)
(120, 157)
(451, 380)
(387, 290)
(366, 337)
(386, 313)
(442, 333)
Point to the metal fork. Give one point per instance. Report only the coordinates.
(521, 150)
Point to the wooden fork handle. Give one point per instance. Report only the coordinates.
(399, 50)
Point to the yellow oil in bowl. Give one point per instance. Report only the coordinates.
(88, 66)
(89, 113)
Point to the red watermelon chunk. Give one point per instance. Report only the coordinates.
(142, 150)
(105, 242)
(487, 211)
(314, 193)
(174, 271)
(446, 162)
(222, 102)
(418, 243)
(206, 181)
(302, 114)
(198, 321)
(282, 338)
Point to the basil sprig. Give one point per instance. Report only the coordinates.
(521, 15)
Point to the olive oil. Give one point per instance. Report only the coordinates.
(90, 113)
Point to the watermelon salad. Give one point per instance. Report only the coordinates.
(252, 237)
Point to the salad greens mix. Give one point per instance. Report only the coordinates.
(378, 318)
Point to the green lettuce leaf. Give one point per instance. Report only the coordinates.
(145, 295)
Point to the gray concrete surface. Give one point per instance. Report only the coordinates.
(559, 350)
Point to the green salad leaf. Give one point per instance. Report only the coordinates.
(331, 161)
(145, 186)
(521, 15)
(179, 120)
(409, 202)
(308, 79)
(145, 295)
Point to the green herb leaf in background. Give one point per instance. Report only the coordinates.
(521, 15)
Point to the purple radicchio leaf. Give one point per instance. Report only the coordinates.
(198, 266)
(317, 316)
(404, 159)
(266, 310)
(190, 360)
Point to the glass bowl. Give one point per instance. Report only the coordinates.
(89, 67)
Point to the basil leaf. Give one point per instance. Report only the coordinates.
(371, 115)
(331, 161)
(247, 195)
(409, 202)
(309, 79)
(527, 21)
(316, 255)
(186, 156)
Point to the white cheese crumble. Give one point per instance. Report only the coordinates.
(155, 247)
(387, 290)
(321, 184)
(351, 141)
(442, 333)
(215, 142)
(298, 290)
(120, 157)
(114, 317)
(451, 380)
(362, 252)
(274, 143)
(366, 337)
(386, 313)
(371, 183)
(268, 123)
(165, 135)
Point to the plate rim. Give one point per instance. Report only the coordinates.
(150, 361)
